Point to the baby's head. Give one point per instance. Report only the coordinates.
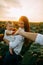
(9, 25)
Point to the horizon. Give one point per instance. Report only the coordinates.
(17, 21)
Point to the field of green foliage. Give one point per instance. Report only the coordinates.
(32, 54)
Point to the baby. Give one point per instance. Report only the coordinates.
(9, 34)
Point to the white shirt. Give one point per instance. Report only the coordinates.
(17, 44)
(10, 37)
(39, 39)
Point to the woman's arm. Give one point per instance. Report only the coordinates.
(29, 35)
(36, 37)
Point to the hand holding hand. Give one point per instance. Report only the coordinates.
(19, 31)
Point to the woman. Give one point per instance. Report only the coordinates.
(26, 27)
(16, 45)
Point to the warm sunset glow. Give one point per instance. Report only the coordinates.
(13, 9)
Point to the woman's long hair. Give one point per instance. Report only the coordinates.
(26, 27)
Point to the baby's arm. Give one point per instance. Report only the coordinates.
(8, 33)
(10, 50)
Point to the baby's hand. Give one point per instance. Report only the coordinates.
(13, 32)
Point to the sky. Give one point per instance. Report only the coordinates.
(13, 9)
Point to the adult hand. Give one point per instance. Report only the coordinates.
(18, 31)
